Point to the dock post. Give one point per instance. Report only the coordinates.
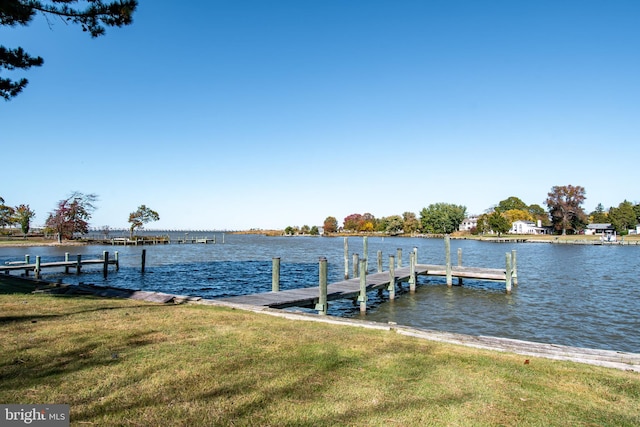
(365, 251)
(275, 274)
(459, 265)
(363, 286)
(117, 258)
(66, 259)
(415, 252)
(399, 255)
(36, 271)
(78, 264)
(355, 264)
(27, 260)
(105, 265)
(144, 259)
(447, 256)
(346, 258)
(508, 273)
(412, 272)
(392, 278)
(322, 298)
(514, 268)
(223, 238)
(379, 261)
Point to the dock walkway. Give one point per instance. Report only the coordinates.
(350, 288)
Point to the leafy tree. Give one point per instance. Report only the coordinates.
(314, 231)
(564, 207)
(599, 215)
(390, 224)
(140, 217)
(511, 203)
(289, 230)
(93, 18)
(410, 222)
(442, 218)
(499, 223)
(330, 225)
(24, 215)
(72, 215)
(7, 214)
(305, 229)
(539, 214)
(636, 209)
(623, 217)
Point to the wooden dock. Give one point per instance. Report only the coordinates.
(352, 288)
(36, 267)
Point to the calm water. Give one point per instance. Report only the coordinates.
(580, 295)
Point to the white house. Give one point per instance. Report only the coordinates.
(468, 223)
(527, 227)
(599, 229)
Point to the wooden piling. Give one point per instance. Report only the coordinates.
(79, 264)
(144, 259)
(362, 298)
(514, 268)
(117, 258)
(412, 272)
(392, 278)
(399, 257)
(356, 262)
(37, 269)
(459, 265)
(447, 256)
(275, 274)
(379, 261)
(509, 273)
(346, 258)
(66, 259)
(105, 265)
(322, 305)
(27, 261)
(365, 252)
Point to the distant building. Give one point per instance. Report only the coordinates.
(528, 227)
(468, 223)
(599, 229)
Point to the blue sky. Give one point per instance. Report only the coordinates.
(263, 114)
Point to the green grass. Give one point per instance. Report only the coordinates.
(121, 362)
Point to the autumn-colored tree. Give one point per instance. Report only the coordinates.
(352, 221)
(140, 217)
(72, 215)
(330, 225)
(514, 215)
(564, 207)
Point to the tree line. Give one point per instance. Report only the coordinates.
(70, 217)
(564, 214)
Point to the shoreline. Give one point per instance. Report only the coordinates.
(621, 360)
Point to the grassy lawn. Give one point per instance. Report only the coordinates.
(122, 362)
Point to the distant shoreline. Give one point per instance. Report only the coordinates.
(578, 239)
